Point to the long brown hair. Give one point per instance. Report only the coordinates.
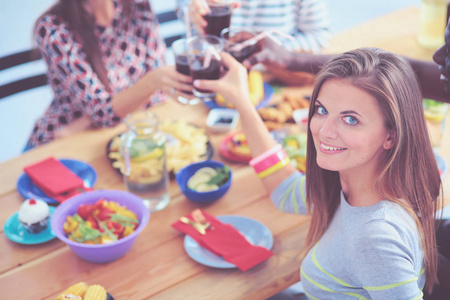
(82, 24)
(408, 174)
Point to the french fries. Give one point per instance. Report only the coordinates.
(187, 146)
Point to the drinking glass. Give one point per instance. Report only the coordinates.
(233, 39)
(179, 48)
(435, 115)
(432, 22)
(219, 17)
(204, 61)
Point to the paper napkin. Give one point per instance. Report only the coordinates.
(55, 180)
(226, 241)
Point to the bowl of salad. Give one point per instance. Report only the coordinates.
(100, 226)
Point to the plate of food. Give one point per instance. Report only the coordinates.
(185, 144)
(254, 231)
(234, 147)
(442, 164)
(278, 116)
(293, 140)
(260, 93)
(31, 224)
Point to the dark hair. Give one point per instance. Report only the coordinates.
(82, 24)
(408, 174)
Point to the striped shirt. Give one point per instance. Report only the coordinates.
(371, 252)
(306, 20)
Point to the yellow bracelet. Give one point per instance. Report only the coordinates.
(279, 165)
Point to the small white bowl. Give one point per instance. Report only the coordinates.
(222, 119)
(301, 116)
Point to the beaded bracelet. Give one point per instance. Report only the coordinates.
(270, 161)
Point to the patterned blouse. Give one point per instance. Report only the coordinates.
(130, 49)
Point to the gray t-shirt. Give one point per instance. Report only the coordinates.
(371, 252)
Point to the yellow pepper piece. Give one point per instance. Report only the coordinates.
(106, 239)
(127, 213)
(70, 225)
(114, 206)
(292, 143)
(128, 230)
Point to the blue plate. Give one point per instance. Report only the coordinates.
(255, 232)
(83, 170)
(442, 165)
(268, 91)
(15, 231)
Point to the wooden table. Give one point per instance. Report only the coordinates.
(157, 266)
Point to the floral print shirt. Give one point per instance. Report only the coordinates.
(130, 46)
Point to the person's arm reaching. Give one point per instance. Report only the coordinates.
(429, 75)
(275, 56)
(234, 88)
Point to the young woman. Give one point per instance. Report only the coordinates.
(370, 174)
(105, 59)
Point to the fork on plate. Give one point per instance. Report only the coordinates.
(199, 218)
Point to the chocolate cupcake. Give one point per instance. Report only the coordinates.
(34, 215)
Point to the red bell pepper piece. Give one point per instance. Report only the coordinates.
(93, 222)
(98, 205)
(84, 211)
(104, 214)
(116, 228)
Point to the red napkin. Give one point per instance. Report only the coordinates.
(226, 241)
(55, 180)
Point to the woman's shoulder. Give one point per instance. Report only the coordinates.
(51, 20)
(390, 222)
(50, 25)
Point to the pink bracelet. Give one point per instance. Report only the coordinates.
(270, 161)
(265, 155)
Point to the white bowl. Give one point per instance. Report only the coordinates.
(301, 116)
(222, 119)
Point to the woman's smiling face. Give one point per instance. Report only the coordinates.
(348, 128)
(442, 58)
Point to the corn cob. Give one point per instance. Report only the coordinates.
(77, 289)
(69, 297)
(95, 292)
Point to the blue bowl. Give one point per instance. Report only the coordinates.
(184, 174)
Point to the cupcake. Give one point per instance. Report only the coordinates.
(33, 215)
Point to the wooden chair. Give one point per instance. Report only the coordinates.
(25, 83)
